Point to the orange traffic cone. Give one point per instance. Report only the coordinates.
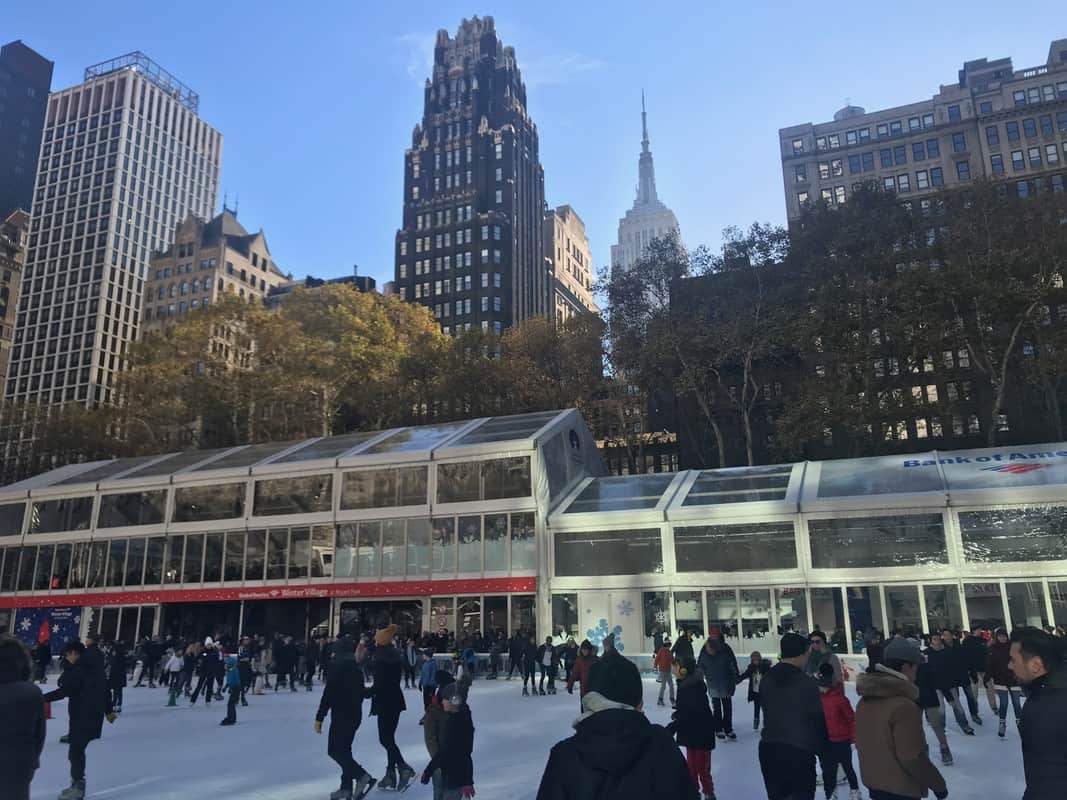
(48, 711)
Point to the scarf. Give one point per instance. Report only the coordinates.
(595, 702)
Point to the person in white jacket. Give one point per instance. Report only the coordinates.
(173, 668)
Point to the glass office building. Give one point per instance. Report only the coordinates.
(512, 523)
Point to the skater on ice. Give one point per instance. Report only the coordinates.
(387, 704)
(694, 725)
(342, 700)
(22, 725)
(1039, 662)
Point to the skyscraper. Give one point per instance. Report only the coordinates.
(470, 248)
(25, 80)
(649, 218)
(567, 252)
(124, 158)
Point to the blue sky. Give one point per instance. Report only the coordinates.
(316, 101)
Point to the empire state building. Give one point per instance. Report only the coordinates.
(649, 218)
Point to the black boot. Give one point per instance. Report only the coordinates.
(389, 781)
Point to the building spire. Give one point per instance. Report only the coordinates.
(646, 188)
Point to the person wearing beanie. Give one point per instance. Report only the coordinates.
(451, 764)
(433, 724)
(207, 666)
(892, 749)
(694, 725)
(615, 751)
(387, 703)
(758, 666)
(232, 681)
(841, 728)
(84, 684)
(794, 728)
(22, 725)
(580, 672)
(997, 671)
(342, 699)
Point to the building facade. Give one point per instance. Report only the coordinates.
(471, 247)
(124, 158)
(361, 283)
(567, 249)
(994, 122)
(510, 524)
(14, 231)
(204, 262)
(25, 80)
(649, 218)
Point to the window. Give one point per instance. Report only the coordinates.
(918, 151)
(854, 166)
(1019, 98)
(922, 179)
(800, 173)
(1017, 161)
(617, 552)
(499, 197)
(11, 516)
(963, 170)
(882, 130)
(57, 516)
(985, 107)
(872, 541)
(954, 114)
(1012, 129)
(996, 164)
(1029, 128)
(914, 124)
(384, 488)
(735, 548)
(928, 120)
(836, 168)
(959, 142)
(896, 128)
(932, 149)
(137, 508)
(868, 161)
(494, 479)
(1052, 155)
(1045, 120)
(824, 170)
(820, 142)
(802, 198)
(886, 157)
(834, 140)
(839, 195)
(1034, 155)
(304, 495)
(900, 155)
(889, 183)
(1020, 534)
(798, 147)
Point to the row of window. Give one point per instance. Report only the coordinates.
(440, 217)
(1014, 535)
(415, 548)
(1032, 158)
(497, 326)
(1037, 94)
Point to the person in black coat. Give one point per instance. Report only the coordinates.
(84, 685)
(529, 666)
(683, 647)
(387, 703)
(946, 672)
(548, 662)
(961, 672)
(694, 725)
(454, 756)
(116, 674)
(1039, 662)
(342, 699)
(207, 667)
(42, 658)
(22, 725)
(311, 661)
(758, 666)
(616, 753)
(516, 646)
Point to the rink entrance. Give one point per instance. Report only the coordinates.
(362, 616)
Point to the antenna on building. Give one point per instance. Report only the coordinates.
(225, 197)
(236, 202)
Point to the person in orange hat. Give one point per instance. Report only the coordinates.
(387, 703)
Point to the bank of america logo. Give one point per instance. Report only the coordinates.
(1016, 469)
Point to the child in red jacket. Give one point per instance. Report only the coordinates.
(841, 727)
(663, 663)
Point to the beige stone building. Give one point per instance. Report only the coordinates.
(567, 251)
(206, 261)
(14, 230)
(993, 122)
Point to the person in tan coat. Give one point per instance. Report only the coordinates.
(894, 764)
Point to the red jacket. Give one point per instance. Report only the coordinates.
(580, 672)
(663, 659)
(840, 719)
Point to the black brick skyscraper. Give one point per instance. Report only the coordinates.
(470, 248)
(25, 79)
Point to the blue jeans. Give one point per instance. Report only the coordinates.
(1002, 697)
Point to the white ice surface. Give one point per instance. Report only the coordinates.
(272, 753)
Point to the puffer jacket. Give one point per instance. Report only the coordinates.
(997, 667)
(889, 736)
(663, 660)
(720, 670)
(693, 724)
(840, 718)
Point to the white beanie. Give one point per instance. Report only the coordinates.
(208, 642)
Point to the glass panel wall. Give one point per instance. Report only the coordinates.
(657, 616)
(10, 569)
(42, 576)
(523, 542)
(172, 569)
(469, 535)
(322, 551)
(393, 548)
(722, 613)
(792, 605)
(756, 621)
(194, 558)
(828, 616)
(495, 479)
(11, 515)
(97, 565)
(984, 606)
(496, 615)
(942, 607)
(116, 563)
(153, 564)
(523, 616)
(468, 617)
(1026, 604)
(346, 560)
(444, 546)
(890, 541)
(235, 556)
(619, 552)
(255, 555)
(1018, 534)
(277, 553)
(308, 494)
(689, 614)
(135, 562)
(564, 616)
(496, 543)
(27, 558)
(57, 516)
(134, 508)
(213, 557)
(1057, 590)
(864, 614)
(79, 565)
(902, 608)
(384, 488)
(368, 549)
(206, 503)
(418, 548)
(735, 548)
(442, 619)
(299, 552)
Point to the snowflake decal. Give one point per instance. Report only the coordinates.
(661, 617)
(626, 608)
(25, 624)
(77, 619)
(597, 635)
(55, 629)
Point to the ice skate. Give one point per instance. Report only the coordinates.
(722, 737)
(76, 791)
(976, 719)
(389, 781)
(969, 730)
(755, 724)
(1001, 728)
(854, 794)
(64, 739)
(228, 722)
(404, 779)
(541, 692)
(341, 794)
(525, 692)
(946, 757)
(731, 736)
(660, 702)
(552, 690)
(363, 787)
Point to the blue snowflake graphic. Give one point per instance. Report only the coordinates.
(626, 608)
(597, 635)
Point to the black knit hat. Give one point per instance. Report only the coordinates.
(618, 679)
(793, 645)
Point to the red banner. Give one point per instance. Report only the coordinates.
(307, 591)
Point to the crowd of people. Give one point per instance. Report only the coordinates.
(800, 708)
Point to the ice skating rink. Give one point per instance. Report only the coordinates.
(272, 753)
